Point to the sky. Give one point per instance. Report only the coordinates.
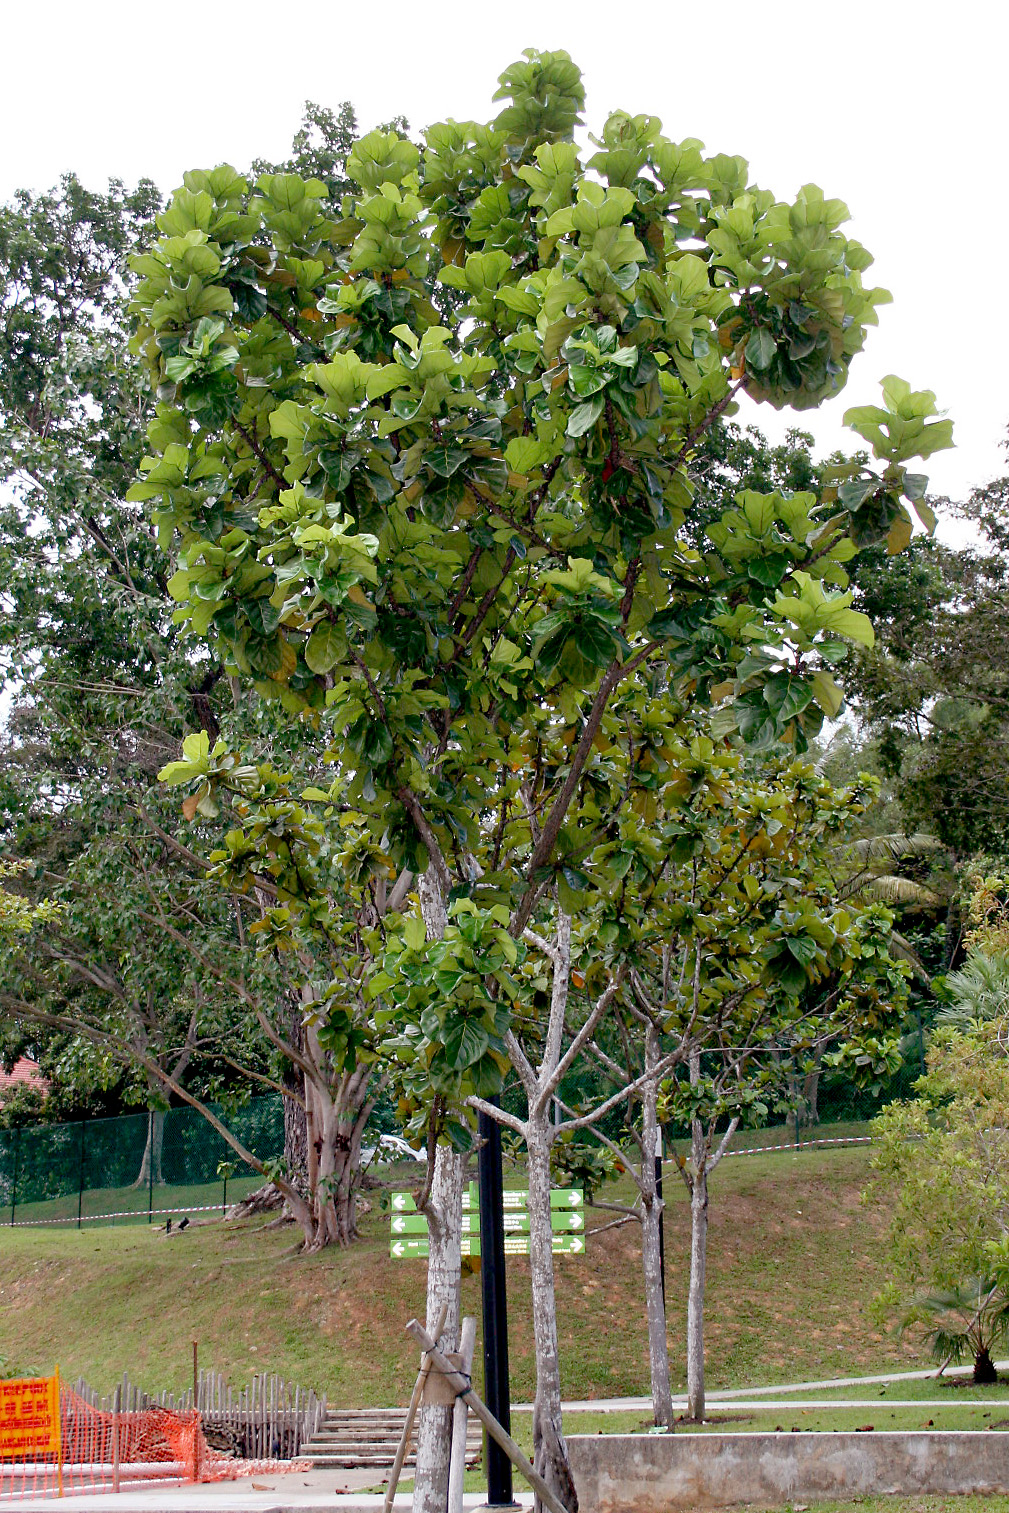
(893, 106)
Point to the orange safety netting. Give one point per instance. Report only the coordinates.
(148, 1446)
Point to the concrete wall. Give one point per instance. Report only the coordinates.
(645, 1473)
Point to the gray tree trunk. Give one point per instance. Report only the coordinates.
(698, 1268)
(551, 1454)
(651, 1259)
(444, 1217)
(295, 1118)
(152, 1151)
(444, 1263)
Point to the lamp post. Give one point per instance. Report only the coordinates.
(497, 1392)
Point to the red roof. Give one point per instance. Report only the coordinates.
(21, 1073)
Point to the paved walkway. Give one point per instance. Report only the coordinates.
(741, 1396)
(293, 1492)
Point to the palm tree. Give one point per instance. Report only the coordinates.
(980, 996)
(869, 864)
(968, 1319)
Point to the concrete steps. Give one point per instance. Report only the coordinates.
(369, 1437)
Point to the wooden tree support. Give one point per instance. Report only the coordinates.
(411, 1414)
(457, 1464)
(462, 1389)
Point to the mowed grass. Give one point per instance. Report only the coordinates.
(795, 1258)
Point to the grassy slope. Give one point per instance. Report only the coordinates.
(794, 1261)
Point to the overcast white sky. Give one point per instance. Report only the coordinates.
(894, 106)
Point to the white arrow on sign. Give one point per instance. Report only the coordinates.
(575, 1221)
(577, 1245)
(398, 1249)
(399, 1200)
(398, 1226)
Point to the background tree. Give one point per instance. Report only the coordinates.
(103, 689)
(751, 963)
(942, 1161)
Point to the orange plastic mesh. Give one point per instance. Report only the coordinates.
(156, 1445)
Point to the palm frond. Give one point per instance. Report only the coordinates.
(980, 991)
(899, 890)
(874, 849)
(949, 1345)
(901, 949)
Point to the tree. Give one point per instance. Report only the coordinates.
(932, 692)
(942, 1161)
(104, 690)
(752, 964)
(17, 913)
(425, 467)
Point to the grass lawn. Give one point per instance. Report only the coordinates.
(794, 1262)
(130, 1205)
(952, 1391)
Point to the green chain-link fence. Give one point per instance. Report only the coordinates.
(139, 1167)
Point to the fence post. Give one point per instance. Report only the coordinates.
(150, 1166)
(14, 1184)
(921, 1041)
(80, 1188)
(115, 1437)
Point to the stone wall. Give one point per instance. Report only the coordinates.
(646, 1473)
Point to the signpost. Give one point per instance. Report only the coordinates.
(408, 1228)
(495, 1224)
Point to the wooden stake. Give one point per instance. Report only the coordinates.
(411, 1413)
(462, 1387)
(457, 1464)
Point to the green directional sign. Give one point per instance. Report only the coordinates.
(416, 1224)
(416, 1247)
(409, 1246)
(413, 1247)
(408, 1224)
(518, 1245)
(515, 1198)
(560, 1197)
(566, 1221)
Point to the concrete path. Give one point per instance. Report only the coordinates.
(288, 1493)
(744, 1394)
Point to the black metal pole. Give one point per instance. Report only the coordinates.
(80, 1185)
(497, 1394)
(662, 1213)
(17, 1153)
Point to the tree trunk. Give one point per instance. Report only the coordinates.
(985, 1374)
(295, 1118)
(444, 1263)
(296, 1137)
(698, 1267)
(811, 1095)
(444, 1217)
(550, 1454)
(651, 1262)
(152, 1151)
